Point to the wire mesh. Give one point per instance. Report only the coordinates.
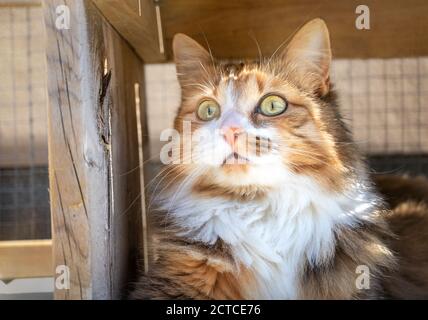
(385, 102)
(24, 198)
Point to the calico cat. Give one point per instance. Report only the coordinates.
(276, 202)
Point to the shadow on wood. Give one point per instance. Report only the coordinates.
(93, 152)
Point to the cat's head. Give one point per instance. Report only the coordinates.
(254, 126)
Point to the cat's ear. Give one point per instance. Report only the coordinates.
(191, 59)
(308, 57)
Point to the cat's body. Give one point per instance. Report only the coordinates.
(298, 219)
(183, 269)
(263, 258)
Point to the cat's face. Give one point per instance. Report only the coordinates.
(255, 126)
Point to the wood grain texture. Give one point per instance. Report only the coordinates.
(20, 3)
(93, 152)
(398, 27)
(126, 219)
(140, 31)
(25, 259)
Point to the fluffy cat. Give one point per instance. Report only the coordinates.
(276, 202)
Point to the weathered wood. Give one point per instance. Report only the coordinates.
(126, 218)
(398, 27)
(25, 259)
(93, 152)
(140, 30)
(20, 3)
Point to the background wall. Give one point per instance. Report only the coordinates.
(24, 198)
(23, 119)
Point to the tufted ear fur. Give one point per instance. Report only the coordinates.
(308, 57)
(193, 62)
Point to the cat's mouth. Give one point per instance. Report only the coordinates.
(235, 158)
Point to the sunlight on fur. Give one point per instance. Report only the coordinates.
(291, 220)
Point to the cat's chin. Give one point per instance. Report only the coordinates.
(237, 182)
(235, 169)
(231, 191)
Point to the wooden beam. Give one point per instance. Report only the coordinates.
(397, 27)
(20, 3)
(136, 21)
(93, 152)
(25, 259)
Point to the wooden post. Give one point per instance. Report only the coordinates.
(93, 151)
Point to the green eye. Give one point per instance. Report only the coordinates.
(272, 106)
(208, 110)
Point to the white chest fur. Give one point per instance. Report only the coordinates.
(273, 237)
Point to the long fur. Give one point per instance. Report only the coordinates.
(298, 221)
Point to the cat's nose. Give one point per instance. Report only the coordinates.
(231, 134)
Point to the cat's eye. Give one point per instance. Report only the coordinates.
(208, 110)
(272, 106)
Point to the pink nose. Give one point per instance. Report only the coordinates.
(231, 134)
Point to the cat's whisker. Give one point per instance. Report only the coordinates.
(154, 197)
(165, 171)
(133, 202)
(253, 37)
(214, 66)
(172, 169)
(181, 187)
(140, 165)
(314, 156)
(293, 140)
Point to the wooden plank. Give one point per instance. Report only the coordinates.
(126, 219)
(398, 27)
(25, 259)
(70, 105)
(136, 22)
(20, 3)
(93, 152)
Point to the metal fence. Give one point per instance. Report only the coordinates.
(386, 104)
(24, 197)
